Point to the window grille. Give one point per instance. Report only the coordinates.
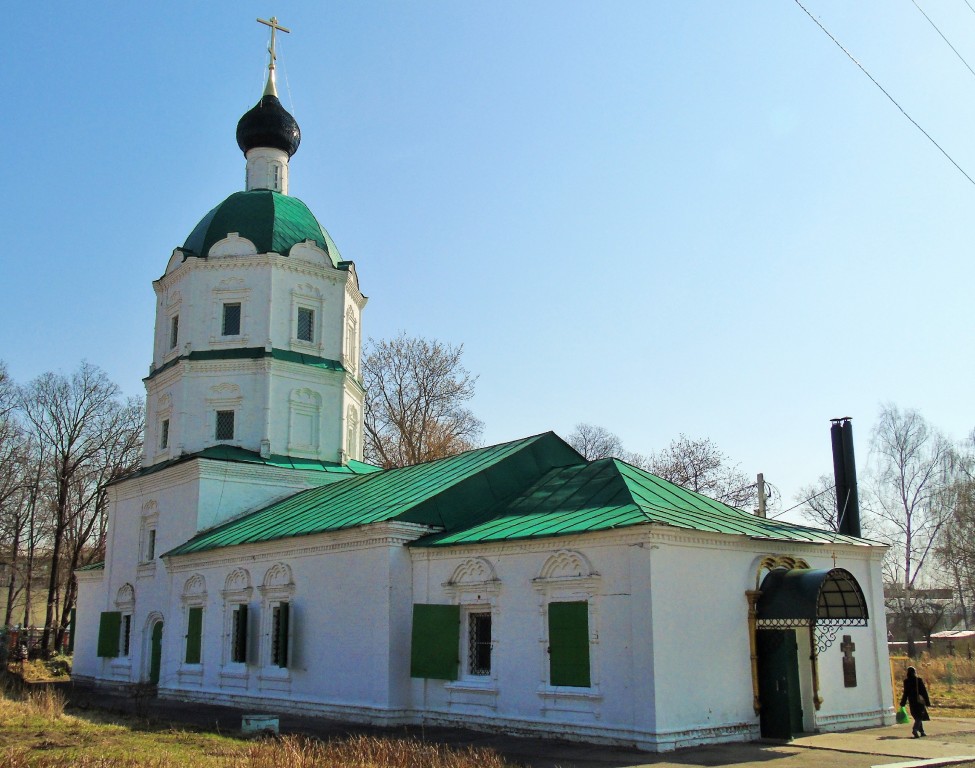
(279, 635)
(479, 643)
(225, 425)
(126, 633)
(231, 319)
(238, 635)
(174, 332)
(151, 545)
(164, 434)
(306, 324)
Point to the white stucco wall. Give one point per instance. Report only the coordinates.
(176, 502)
(669, 646)
(310, 405)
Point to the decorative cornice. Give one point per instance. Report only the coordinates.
(387, 534)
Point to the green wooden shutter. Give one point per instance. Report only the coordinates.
(568, 641)
(71, 627)
(283, 616)
(436, 641)
(194, 634)
(240, 634)
(109, 628)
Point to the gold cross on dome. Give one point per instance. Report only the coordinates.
(273, 24)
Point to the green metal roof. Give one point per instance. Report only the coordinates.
(241, 455)
(531, 488)
(443, 494)
(100, 566)
(610, 493)
(252, 353)
(272, 221)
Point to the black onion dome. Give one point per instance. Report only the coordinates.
(268, 124)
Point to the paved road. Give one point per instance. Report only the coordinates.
(949, 741)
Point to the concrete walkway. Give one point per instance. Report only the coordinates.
(949, 741)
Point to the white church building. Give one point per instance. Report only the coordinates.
(254, 560)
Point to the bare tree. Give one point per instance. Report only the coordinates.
(595, 442)
(416, 390)
(699, 465)
(911, 488)
(818, 503)
(955, 550)
(74, 421)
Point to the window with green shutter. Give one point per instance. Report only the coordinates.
(568, 644)
(109, 628)
(435, 651)
(238, 635)
(280, 619)
(194, 634)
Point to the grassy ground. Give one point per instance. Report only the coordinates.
(35, 731)
(950, 682)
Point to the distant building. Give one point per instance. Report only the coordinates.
(254, 560)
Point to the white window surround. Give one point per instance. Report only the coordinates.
(229, 291)
(568, 576)
(121, 665)
(304, 422)
(237, 591)
(278, 587)
(164, 412)
(475, 587)
(149, 522)
(307, 296)
(223, 397)
(352, 442)
(171, 310)
(194, 596)
(350, 354)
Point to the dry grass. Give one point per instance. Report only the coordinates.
(35, 732)
(363, 752)
(950, 681)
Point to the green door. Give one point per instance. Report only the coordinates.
(778, 683)
(155, 653)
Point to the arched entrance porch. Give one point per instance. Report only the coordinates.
(795, 607)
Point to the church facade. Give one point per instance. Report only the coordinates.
(256, 561)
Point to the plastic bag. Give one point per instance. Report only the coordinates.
(902, 716)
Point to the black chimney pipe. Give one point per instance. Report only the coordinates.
(845, 474)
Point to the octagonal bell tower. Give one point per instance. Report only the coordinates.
(258, 321)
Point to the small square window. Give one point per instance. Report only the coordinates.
(479, 644)
(225, 425)
(164, 434)
(306, 324)
(174, 332)
(231, 319)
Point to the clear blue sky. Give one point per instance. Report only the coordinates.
(659, 217)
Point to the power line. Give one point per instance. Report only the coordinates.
(962, 58)
(884, 91)
(969, 6)
(779, 514)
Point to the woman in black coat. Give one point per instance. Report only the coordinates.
(916, 697)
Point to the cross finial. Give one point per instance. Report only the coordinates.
(273, 24)
(270, 89)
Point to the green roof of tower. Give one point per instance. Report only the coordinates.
(272, 221)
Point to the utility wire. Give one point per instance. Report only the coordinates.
(779, 514)
(884, 91)
(970, 6)
(962, 58)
